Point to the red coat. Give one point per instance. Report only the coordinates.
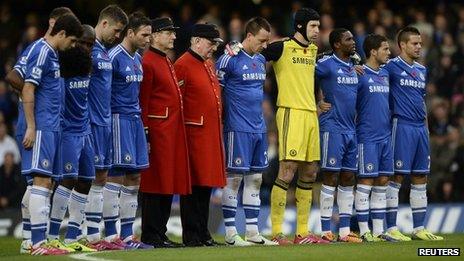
(203, 119)
(161, 103)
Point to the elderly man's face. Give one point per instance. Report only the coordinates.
(206, 47)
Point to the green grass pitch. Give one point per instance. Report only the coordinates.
(340, 251)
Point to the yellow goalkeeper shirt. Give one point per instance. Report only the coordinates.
(294, 67)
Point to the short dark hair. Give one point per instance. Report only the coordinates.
(373, 42)
(336, 36)
(59, 11)
(136, 20)
(115, 13)
(255, 24)
(70, 24)
(403, 34)
(75, 62)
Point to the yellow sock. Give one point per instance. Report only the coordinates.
(304, 198)
(278, 202)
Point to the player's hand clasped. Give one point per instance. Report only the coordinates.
(323, 106)
(29, 138)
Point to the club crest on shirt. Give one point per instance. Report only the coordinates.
(238, 161)
(96, 159)
(421, 76)
(370, 167)
(68, 167)
(45, 163)
(127, 158)
(399, 164)
(332, 161)
(293, 152)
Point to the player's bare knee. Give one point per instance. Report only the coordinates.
(364, 181)
(381, 181)
(287, 170)
(68, 183)
(234, 180)
(254, 180)
(132, 179)
(330, 178)
(42, 181)
(397, 178)
(100, 177)
(116, 179)
(347, 178)
(308, 172)
(418, 179)
(83, 186)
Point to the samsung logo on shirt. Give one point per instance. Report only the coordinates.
(412, 83)
(302, 60)
(379, 88)
(254, 76)
(105, 66)
(79, 84)
(134, 78)
(347, 80)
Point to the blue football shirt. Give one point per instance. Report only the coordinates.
(373, 118)
(43, 70)
(100, 86)
(407, 90)
(339, 84)
(20, 67)
(127, 76)
(242, 77)
(76, 112)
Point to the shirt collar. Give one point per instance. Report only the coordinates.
(197, 56)
(300, 43)
(158, 51)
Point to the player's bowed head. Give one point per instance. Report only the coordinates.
(111, 22)
(257, 35)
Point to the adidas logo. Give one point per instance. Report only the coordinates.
(404, 73)
(99, 56)
(245, 67)
(128, 69)
(370, 80)
(340, 70)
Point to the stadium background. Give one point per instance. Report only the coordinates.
(440, 22)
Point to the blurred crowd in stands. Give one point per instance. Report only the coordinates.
(441, 24)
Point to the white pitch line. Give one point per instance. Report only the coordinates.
(87, 257)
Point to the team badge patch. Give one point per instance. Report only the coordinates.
(421, 76)
(370, 167)
(45, 163)
(293, 152)
(238, 161)
(36, 72)
(332, 161)
(68, 167)
(399, 164)
(96, 159)
(127, 158)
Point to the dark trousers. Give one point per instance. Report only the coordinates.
(194, 211)
(156, 209)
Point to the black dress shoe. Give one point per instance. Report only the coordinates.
(193, 244)
(166, 244)
(175, 244)
(212, 242)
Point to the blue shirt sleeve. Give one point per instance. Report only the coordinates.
(223, 68)
(322, 68)
(37, 65)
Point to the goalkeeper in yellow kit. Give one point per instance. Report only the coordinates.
(294, 62)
